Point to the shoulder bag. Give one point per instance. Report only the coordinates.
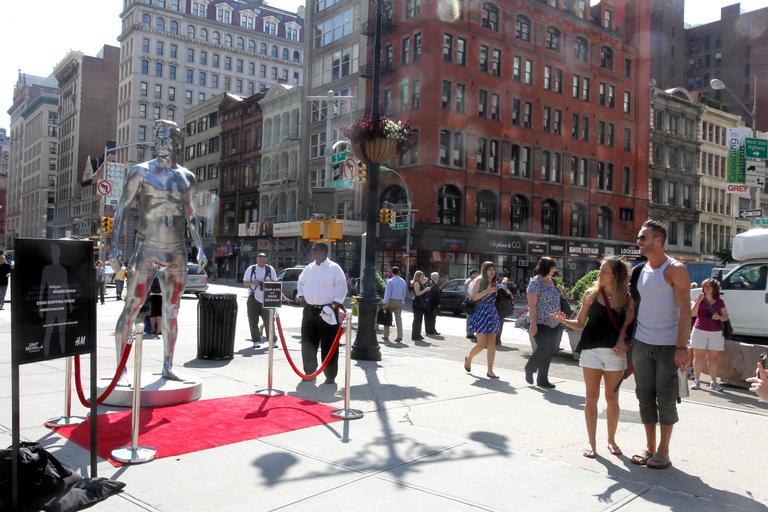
(727, 327)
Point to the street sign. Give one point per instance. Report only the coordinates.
(756, 148)
(399, 225)
(116, 177)
(735, 163)
(749, 214)
(761, 222)
(342, 184)
(273, 294)
(755, 173)
(337, 158)
(104, 187)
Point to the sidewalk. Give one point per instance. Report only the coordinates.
(433, 438)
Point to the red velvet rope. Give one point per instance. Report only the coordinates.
(317, 372)
(111, 387)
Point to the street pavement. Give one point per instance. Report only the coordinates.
(432, 437)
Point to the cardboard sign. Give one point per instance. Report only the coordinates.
(273, 294)
(54, 293)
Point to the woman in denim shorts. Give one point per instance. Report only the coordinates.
(602, 352)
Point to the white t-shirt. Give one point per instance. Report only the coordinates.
(257, 273)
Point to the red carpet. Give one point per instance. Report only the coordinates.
(202, 424)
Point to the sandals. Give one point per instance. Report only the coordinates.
(614, 450)
(467, 365)
(642, 458)
(491, 375)
(589, 453)
(658, 461)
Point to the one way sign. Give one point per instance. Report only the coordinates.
(749, 214)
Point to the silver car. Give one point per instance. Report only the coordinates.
(289, 277)
(197, 279)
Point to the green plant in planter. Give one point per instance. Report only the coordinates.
(380, 289)
(582, 285)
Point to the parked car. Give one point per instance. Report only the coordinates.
(452, 294)
(289, 277)
(197, 279)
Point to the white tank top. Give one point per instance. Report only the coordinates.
(658, 316)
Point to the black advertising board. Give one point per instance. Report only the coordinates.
(507, 245)
(537, 247)
(584, 249)
(53, 288)
(556, 248)
(273, 293)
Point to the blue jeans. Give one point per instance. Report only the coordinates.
(2, 295)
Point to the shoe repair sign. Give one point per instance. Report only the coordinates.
(53, 299)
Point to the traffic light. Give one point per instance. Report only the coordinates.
(384, 215)
(334, 229)
(310, 230)
(362, 175)
(109, 225)
(105, 226)
(392, 216)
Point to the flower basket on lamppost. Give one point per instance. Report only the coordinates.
(376, 140)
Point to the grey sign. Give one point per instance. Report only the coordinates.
(273, 293)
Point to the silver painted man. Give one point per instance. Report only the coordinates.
(164, 192)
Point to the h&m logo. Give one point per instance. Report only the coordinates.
(80, 341)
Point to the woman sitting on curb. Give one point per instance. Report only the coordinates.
(602, 352)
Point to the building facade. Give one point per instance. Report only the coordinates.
(5, 158)
(674, 169)
(532, 128)
(669, 43)
(87, 119)
(202, 155)
(177, 53)
(281, 182)
(239, 176)
(33, 158)
(718, 220)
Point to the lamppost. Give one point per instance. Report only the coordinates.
(366, 346)
(719, 85)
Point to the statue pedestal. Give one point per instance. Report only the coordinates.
(155, 392)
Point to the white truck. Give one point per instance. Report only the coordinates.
(744, 288)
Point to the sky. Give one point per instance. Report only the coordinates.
(35, 43)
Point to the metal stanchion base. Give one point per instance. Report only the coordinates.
(65, 421)
(270, 392)
(128, 455)
(347, 414)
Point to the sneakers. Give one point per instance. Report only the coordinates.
(696, 385)
(714, 386)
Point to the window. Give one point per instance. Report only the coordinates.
(156, 112)
(626, 213)
(607, 19)
(490, 17)
(447, 47)
(445, 143)
(228, 63)
(405, 51)
(550, 217)
(628, 68)
(604, 223)
(547, 76)
(171, 94)
(585, 128)
(458, 150)
(270, 26)
(585, 89)
(188, 97)
(557, 122)
(527, 114)
(546, 119)
(480, 155)
(579, 175)
(412, 8)
(172, 72)
(446, 95)
(460, 98)
(190, 76)
(174, 51)
(482, 103)
(159, 69)
(201, 78)
(496, 62)
(461, 51)
(190, 31)
(224, 13)
(581, 49)
(575, 127)
(688, 235)
(558, 81)
(158, 92)
(191, 55)
(611, 96)
(486, 210)
(145, 45)
(528, 76)
(516, 111)
(601, 132)
(199, 9)
(417, 47)
(404, 94)
(144, 67)
(578, 220)
(601, 94)
(672, 233)
(575, 86)
(173, 27)
(143, 110)
(522, 28)
(516, 71)
(627, 103)
(518, 213)
(484, 58)
(146, 20)
(495, 106)
(142, 134)
(553, 39)
(606, 58)
(160, 48)
(448, 205)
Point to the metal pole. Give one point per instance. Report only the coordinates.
(346, 413)
(63, 421)
(270, 357)
(328, 139)
(135, 454)
(408, 245)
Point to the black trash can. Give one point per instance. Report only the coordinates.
(216, 322)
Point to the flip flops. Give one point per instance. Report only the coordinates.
(642, 458)
(614, 450)
(658, 461)
(589, 453)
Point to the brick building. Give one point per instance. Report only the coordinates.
(239, 174)
(532, 121)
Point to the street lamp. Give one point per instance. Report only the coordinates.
(719, 85)
(410, 226)
(366, 346)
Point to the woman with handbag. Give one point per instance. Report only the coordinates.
(485, 318)
(707, 338)
(420, 303)
(543, 301)
(604, 309)
(505, 305)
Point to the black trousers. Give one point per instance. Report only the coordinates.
(256, 310)
(315, 332)
(430, 317)
(418, 316)
(547, 343)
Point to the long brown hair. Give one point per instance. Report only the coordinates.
(484, 279)
(417, 278)
(620, 291)
(715, 284)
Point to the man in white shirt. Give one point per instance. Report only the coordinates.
(254, 278)
(394, 298)
(321, 291)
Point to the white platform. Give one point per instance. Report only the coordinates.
(155, 392)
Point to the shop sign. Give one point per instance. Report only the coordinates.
(629, 251)
(583, 249)
(513, 245)
(453, 244)
(286, 229)
(556, 248)
(537, 247)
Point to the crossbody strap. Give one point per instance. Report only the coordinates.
(610, 312)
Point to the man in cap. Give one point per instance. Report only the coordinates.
(322, 289)
(254, 278)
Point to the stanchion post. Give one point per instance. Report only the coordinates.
(67, 419)
(270, 357)
(346, 413)
(135, 454)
